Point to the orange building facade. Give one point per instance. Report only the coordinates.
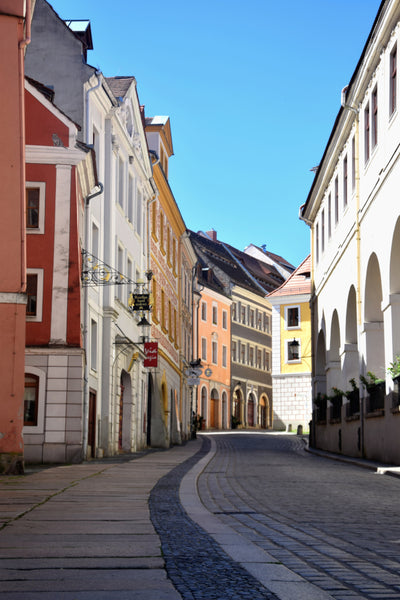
(214, 349)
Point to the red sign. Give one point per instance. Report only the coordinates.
(151, 354)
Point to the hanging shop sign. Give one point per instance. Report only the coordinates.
(139, 302)
(150, 354)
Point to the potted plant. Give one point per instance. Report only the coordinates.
(394, 371)
(376, 391)
(336, 401)
(353, 397)
(235, 422)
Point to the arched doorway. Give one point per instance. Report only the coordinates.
(251, 404)
(237, 402)
(373, 320)
(214, 409)
(125, 413)
(150, 395)
(264, 413)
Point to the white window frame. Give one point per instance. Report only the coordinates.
(203, 305)
(287, 308)
(203, 348)
(214, 352)
(94, 351)
(224, 356)
(39, 428)
(39, 296)
(214, 312)
(42, 206)
(225, 319)
(295, 361)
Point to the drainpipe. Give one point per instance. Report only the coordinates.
(85, 408)
(22, 45)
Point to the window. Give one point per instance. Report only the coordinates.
(131, 197)
(174, 255)
(163, 310)
(154, 312)
(234, 311)
(154, 220)
(259, 320)
(34, 292)
(234, 355)
(204, 311)
(224, 356)
(120, 182)
(243, 353)
(224, 319)
(366, 133)
(214, 353)
(336, 201)
(393, 81)
(353, 164)
(162, 232)
(292, 317)
(175, 329)
(266, 324)
(215, 315)
(267, 365)
(317, 242)
(93, 345)
(203, 348)
(374, 118)
(120, 267)
(345, 182)
(170, 319)
(35, 206)
(293, 350)
(31, 400)
(243, 313)
(31, 292)
(95, 240)
(169, 246)
(323, 231)
(329, 216)
(259, 359)
(139, 212)
(251, 356)
(251, 318)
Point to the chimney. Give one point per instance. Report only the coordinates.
(212, 234)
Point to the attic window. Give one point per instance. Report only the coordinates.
(307, 274)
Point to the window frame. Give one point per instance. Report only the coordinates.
(41, 375)
(37, 318)
(393, 81)
(287, 352)
(290, 308)
(41, 186)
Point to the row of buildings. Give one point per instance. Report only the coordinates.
(353, 213)
(119, 324)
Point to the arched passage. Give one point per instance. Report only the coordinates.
(125, 412)
(350, 366)
(214, 408)
(333, 371)
(224, 410)
(373, 320)
(251, 405)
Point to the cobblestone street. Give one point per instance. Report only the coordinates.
(334, 524)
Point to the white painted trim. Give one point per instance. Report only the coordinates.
(12, 298)
(48, 155)
(59, 300)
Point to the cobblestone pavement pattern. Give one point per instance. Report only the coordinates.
(334, 524)
(195, 563)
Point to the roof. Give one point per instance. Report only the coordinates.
(299, 282)
(235, 267)
(120, 85)
(275, 257)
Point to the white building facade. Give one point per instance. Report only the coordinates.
(353, 213)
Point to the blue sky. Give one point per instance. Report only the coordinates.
(252, 89)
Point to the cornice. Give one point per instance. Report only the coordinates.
(48, 155)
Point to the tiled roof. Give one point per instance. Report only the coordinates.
(299, 282)
(120, 85)
(233, 266)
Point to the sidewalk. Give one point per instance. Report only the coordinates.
(83, 532)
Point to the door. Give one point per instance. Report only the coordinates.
(92, 424)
